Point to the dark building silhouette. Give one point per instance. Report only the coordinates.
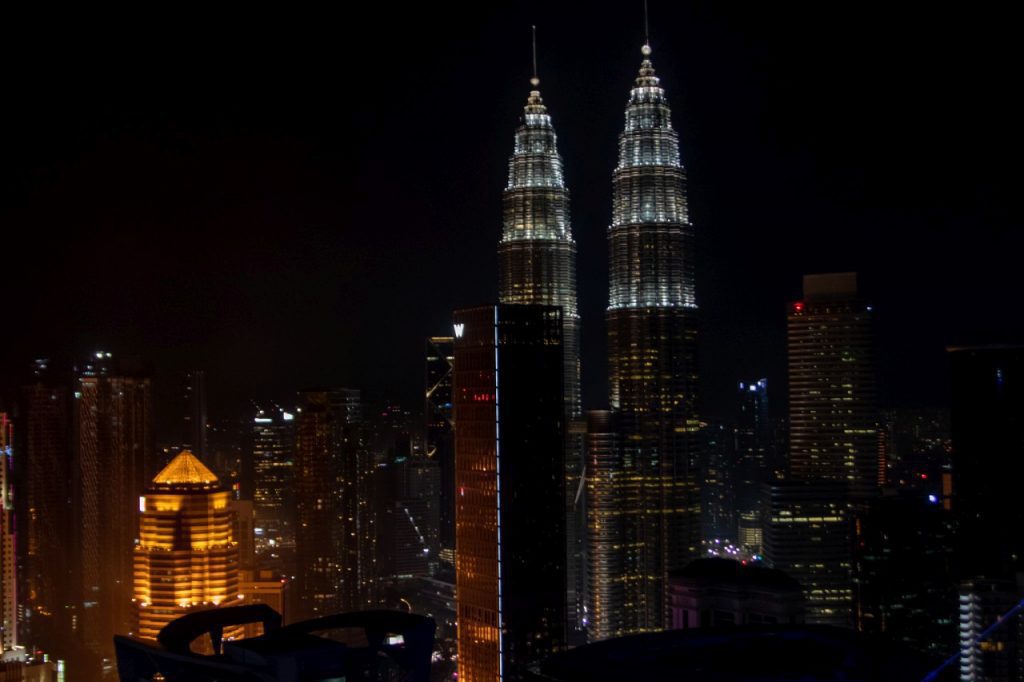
(717, 482)
(440, 438)
(334, 538)
(510, 488)
(195, 436)
(714, 592)
(113, 451)
(652, 346)
(9, 618)
(988, 457)
(905, 585)
(753, 454)
(408, 518)
(44, 506)
(917, 451)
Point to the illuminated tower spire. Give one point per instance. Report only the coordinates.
(537, 264)
(652, 335)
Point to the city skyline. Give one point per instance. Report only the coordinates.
(573, 463)
(256, 208)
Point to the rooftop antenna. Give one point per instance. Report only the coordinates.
(647, 29)
(534, 81)
(646, 49)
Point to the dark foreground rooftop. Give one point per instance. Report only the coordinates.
(802, 653)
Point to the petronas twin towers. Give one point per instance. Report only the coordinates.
(640, 518)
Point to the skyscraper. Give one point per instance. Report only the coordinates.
(652, 339)
(334, 540)
(537, 257)
(608, 492)
(187, 558)
(273, 463)
(8, 564)
(510, 483)
(440, 444)
(112, 455)
(752, 455)
(833, 452)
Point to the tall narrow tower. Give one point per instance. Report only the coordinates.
(652, 338)
(537, 257)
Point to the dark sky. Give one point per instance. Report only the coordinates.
(295, 198)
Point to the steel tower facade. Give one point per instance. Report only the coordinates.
(652, 335)
(537, 258)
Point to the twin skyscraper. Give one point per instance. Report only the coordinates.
(627, 484)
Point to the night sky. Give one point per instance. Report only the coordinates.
(292, 198)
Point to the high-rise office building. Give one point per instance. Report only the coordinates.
(440, 445)
(273, 464)
(8, 562)
(808, 535)
(833, 416)
(537, 257)
(833, 445)
(335, 537)
(652, 347)
(195, 419)
(752, 457)
(510, 483)
(988, 458)
(113, 450)
(187, 558)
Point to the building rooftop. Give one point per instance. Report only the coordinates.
(728, 571)
(743, 654)
(185, 469)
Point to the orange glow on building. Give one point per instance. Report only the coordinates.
(187, 558)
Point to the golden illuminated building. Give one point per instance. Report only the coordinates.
(187, 558)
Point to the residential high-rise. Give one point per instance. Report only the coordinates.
(652, 349)
(510, 483)
(8, 562)
(273, 463)
(334, 539)
(833, 416)
(195, 418)
(988, 458)
(537, 257)
(187, 558)
(440, 445)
